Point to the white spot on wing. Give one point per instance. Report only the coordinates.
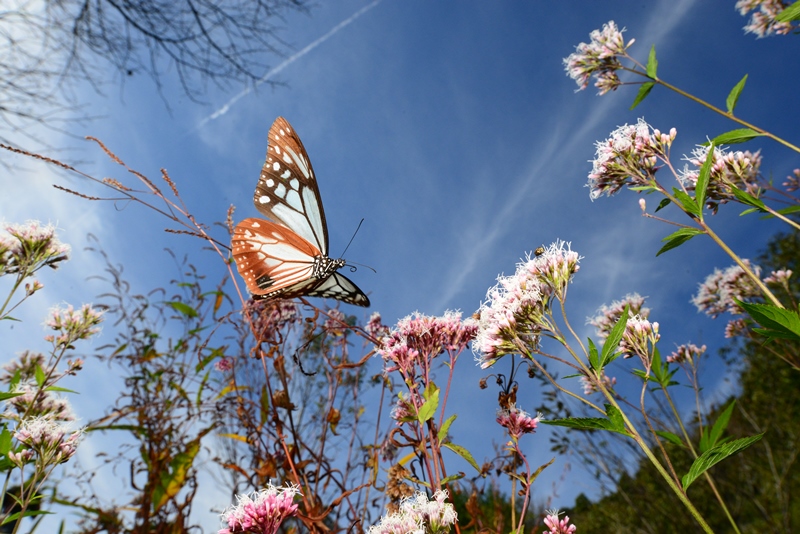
(263, 199)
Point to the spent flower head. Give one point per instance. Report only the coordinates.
(629, 156)
(261, 512)
(375, 326)
(269, 317)
(598, 58)
(764, 22)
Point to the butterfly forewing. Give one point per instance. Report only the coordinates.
(287, 191)
(270, 257)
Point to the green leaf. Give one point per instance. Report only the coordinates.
(652, 63)
(39, 375)
(669, 436)
(28, 513)
(734, 137)
(464, 453)
(183, 308)
(789, 210)
(61, 390)
(715, 455)
(451, 478)
(719, 427)
(733, 96)
(777, 322)
(594, 357)
(613, 424)
(702, 181)
(6, 396)
(663, 204)
(445, 427)
(614, 337)
(678, 238)
(616, 419)
(790, 13)
(746, 198)
(5, 441)
(430, 405)
(644, 90)
(687, 203)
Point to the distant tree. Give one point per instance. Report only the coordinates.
(50, 49)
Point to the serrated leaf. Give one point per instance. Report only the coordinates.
(774, 319)
(678, 238)
(734, 137)
(644, 90)
(733, 96)
(663, 204)
(183, 308)
(789, 14)
(669, 436)
(688, 203)
(464, 453)
(746, 198)
(615, 416)
(702, 181)
(430, 405)
(585, 423)
(715, 455)
(719, 427)
(614, 337)
(594, 357)
(652, 63)
(445, 427)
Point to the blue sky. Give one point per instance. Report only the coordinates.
(452, 129)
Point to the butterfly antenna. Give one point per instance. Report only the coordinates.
(351, 239)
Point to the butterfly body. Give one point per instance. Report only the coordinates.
(287, 256)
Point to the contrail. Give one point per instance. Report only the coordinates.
(291, 59)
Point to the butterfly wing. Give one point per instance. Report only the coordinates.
(287, 191)
(271, 258)
(336, 286)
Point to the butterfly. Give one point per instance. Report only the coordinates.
(287, 256)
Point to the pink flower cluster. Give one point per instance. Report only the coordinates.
(639, 338)
(46, 438)
(763, 22)
(792, 182)
(31, 247)
(557, 526)
(418, 339)
(33, 401)
(688, 353)
(73, 325)
(716, 294)
(419, 515)
(599, 58)
(590, 388)
(628, 157)
(607, 316)
(739, 169)
(261, 512)
(516, 311)
(375, 327)
(517, 422)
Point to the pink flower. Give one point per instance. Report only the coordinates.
(792, 182)
(607, 316)
(418, 514)
(48, 439)
(516, 310)
(716, 294)
(269, 317)
(739, 169)
(261, 512)
(599, 58)
(375, 327)
(628, 157)
(73, 324)
(517, 422)
(639, 338)
(763, 23)
(33, 246)
(557, 526)
(223, 365)
(686, 353)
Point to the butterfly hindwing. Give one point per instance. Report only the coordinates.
(337, 286)
(287, 190)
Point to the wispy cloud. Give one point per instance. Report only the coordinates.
(291, 59)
